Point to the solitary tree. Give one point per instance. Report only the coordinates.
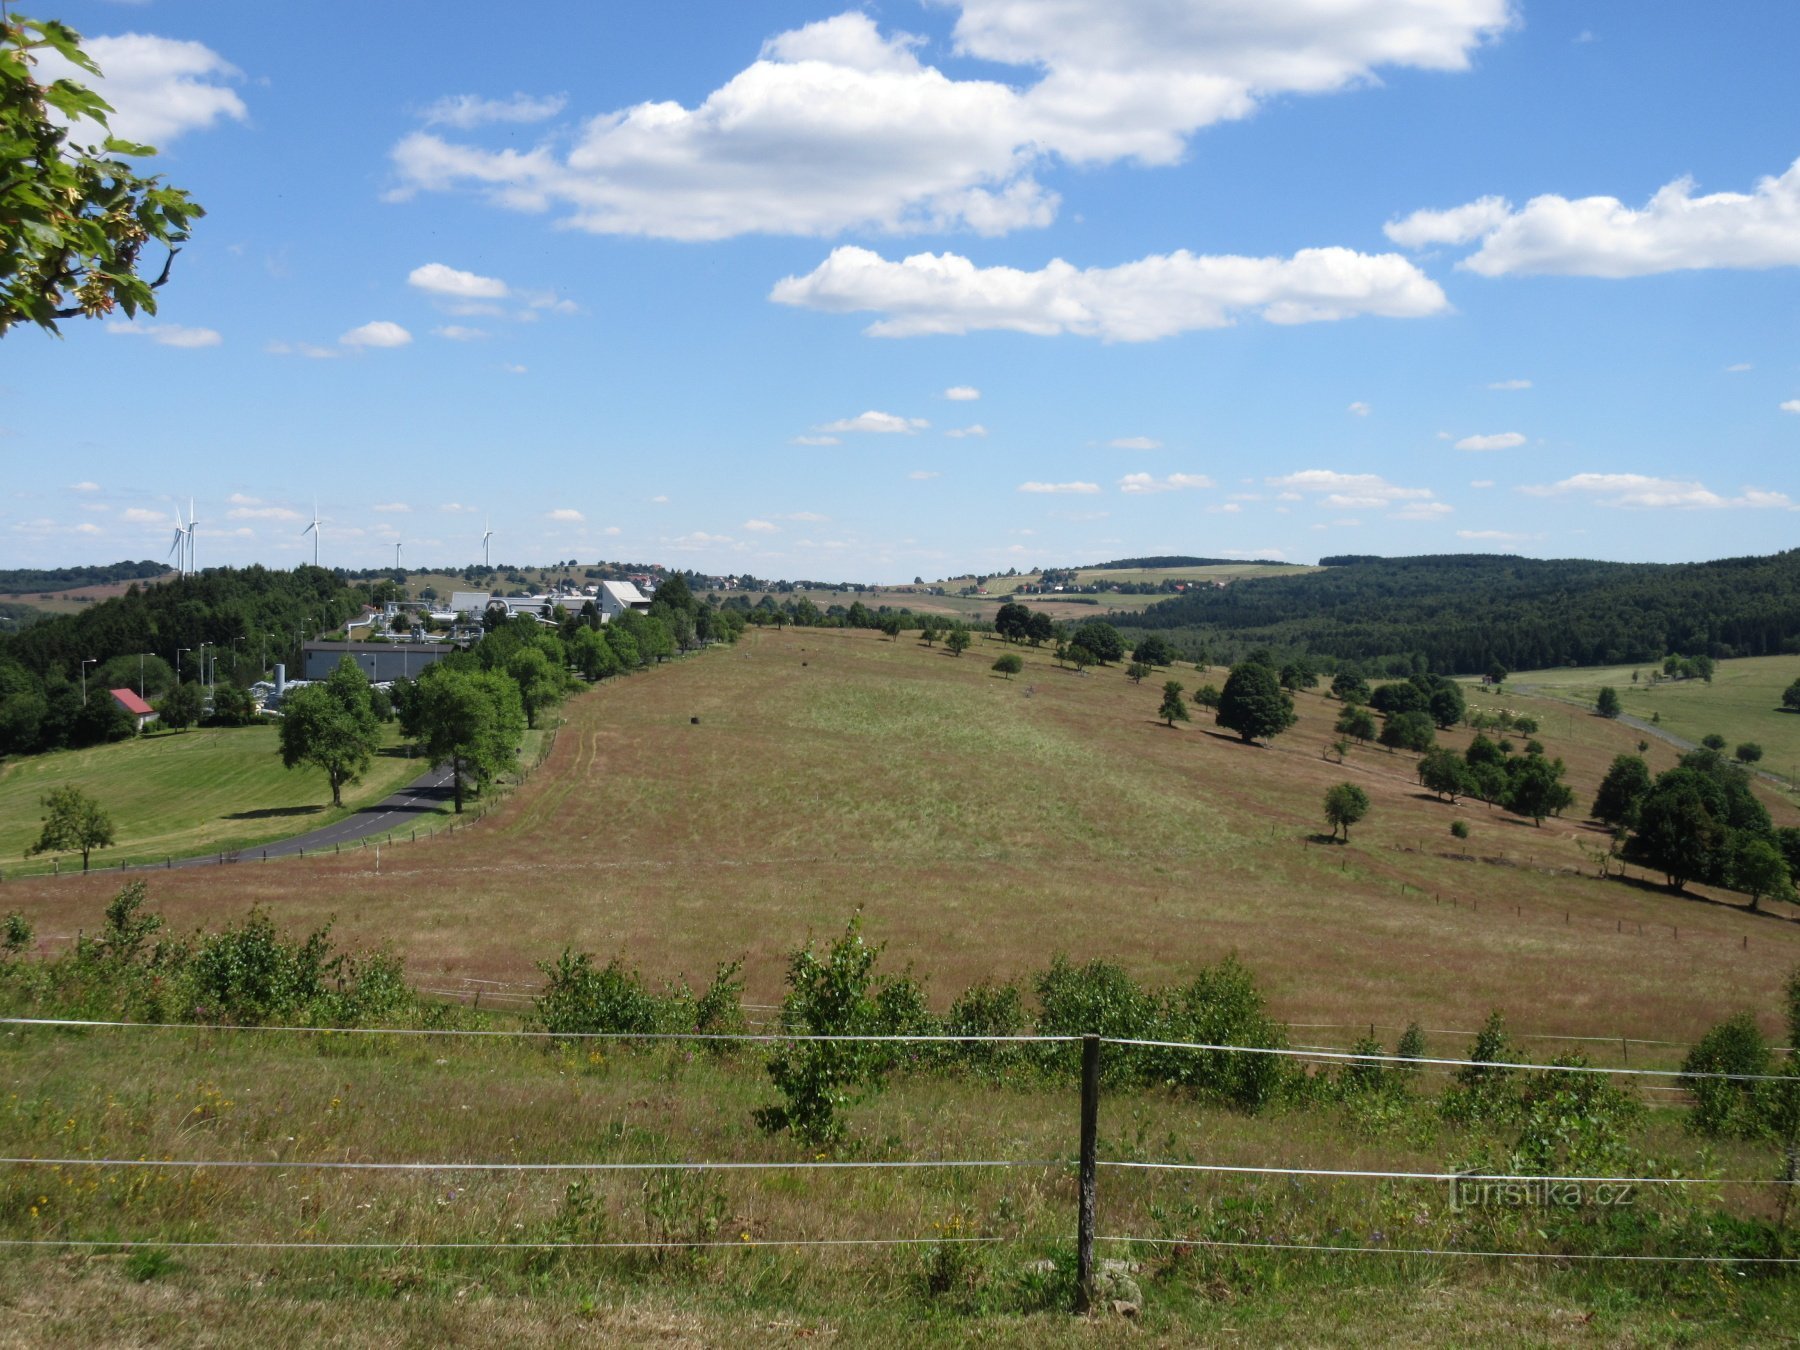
(1356, 721)
(1535, 788)
(73, 821)
(1790, 697)
(1173, 710)
(1345, 804)
(1607, 702)
(1253, 703)
(1137, 670)
(180, 707)
(1748, 752)
(957, 640)
(74, 216)
(1010, 664)
(1758, 869)
(471, 721)
(331, 726)
(1621, 791)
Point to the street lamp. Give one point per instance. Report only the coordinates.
(141, 656)
(178, 652)
(85, 663)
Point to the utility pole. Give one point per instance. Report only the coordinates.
(86, 662)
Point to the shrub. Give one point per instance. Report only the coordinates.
(1723, 1107)
(1459, 829)
(579, 999)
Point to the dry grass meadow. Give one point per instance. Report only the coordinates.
(983, 824)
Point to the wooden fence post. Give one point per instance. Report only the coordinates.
(1090, 1127)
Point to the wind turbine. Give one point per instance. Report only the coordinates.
(175, 549)
(190, 536)
(313, 530)
(487, 533)
(396, 555)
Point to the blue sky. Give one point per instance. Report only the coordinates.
(918, 289)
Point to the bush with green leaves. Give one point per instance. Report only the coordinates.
(1484, 1090)
(1729, 1108)
(835, 993)
(580, 998)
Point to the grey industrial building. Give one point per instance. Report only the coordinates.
(380, 661)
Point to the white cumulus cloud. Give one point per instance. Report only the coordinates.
(962, 393)
(379, 333)
(840, 125)
(566, 515)
(1154, 297)
(815, 440)
(1676, 230)
(761, 527)
(452, 283)
(455, 332)
(1175, 482)
(1500, 440)
(466, 111)
(1135, 443)
(1791, 406)
(1642, 491)
(1359, 409)
(878, 423)
(167, 334)
(160, 88)
(1080, 488)
(1510, 385)
(1349, 491)
(974, 429)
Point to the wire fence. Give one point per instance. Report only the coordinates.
(1086, 1166)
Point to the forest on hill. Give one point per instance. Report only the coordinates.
(37, 580)
(1463, 613)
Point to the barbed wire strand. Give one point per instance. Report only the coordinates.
(278, 1165)
(1354, 1174)
(1455, 1251)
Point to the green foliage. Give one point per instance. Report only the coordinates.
(1153, 650)
(1138, 671)
(1748, 752)
(233, 706)
(1470, 613)
(1575, 1124)
(1357, 722)
(73, 823)
(1350, 686)
(1442, 771)
(1459, 829)
(830, 994)
(1483, 1090)
(1728, 1108)
(332, 726)
(1207, 696)
(471, 721)
(1622, 791)
(1606, 703)
(1254, 704)
(1758, 869)
(1409, 731)
(1790, 697)
(1535, 788)
(247, 974)
(74, 216)
(579, 999)
(15, 934)
(1345, 804)
(1100, 639)
(1010, 664)
(957, 640)
(1173, 710)
(180, 707)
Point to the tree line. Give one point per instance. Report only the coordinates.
(1462, 613)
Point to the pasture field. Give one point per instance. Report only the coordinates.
(1743, 702)
(746, 799)
(174, 794)
(983, 824)
(286, 1099)
(80, 597)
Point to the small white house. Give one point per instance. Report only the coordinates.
(618, 596)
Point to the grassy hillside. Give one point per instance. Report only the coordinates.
(1743, 702)
(984, 824)
(178, 793)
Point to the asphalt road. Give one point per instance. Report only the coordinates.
(423, 794)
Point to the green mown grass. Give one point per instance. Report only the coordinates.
(174, 794)
(1743, 702)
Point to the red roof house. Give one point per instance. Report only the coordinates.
(134, 705)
